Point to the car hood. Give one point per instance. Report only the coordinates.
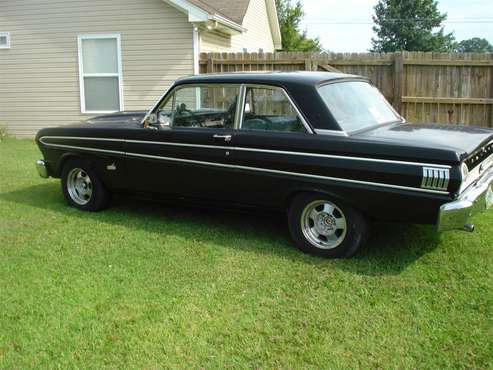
(461, 139)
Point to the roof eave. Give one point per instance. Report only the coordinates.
(228, 23)
(198, 15)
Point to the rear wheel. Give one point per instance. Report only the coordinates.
(82, 188)
(323, 227)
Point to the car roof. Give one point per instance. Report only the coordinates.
(301, 86)
(269, 78)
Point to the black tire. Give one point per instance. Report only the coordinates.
(349, 238)
(98, 199)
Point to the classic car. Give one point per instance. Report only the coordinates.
(325, 148)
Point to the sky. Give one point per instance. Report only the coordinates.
(346, 25)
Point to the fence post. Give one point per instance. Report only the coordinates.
(491, 92)
(308, 64)
(398, 75)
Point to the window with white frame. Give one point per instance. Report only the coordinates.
(100, 73)
(4, 40)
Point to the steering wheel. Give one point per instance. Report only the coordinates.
(182, 110)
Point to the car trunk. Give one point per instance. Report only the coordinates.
(463, 140)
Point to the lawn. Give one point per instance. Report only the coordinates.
(152, 285)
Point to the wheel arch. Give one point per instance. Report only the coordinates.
(63, 159)
(332, 195)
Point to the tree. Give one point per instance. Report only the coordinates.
(411, 25)
(474, 45)
(293, 39)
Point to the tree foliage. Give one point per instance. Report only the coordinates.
(474, 45)
(410, 25)
(293, 39)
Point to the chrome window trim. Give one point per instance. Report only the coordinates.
(291, 101)
(240, 108)
(258, 169)
(331, 132)
(317, 155)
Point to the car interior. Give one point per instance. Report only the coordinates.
(265, 110)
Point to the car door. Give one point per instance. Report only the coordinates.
(270, 129)
(186, 153)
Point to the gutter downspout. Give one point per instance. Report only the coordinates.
(196, 50)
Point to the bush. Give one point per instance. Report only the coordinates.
(3, 132)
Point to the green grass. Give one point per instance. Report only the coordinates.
(151, 285)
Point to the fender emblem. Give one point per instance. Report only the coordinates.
(111, 167)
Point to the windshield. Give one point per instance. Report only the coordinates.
(356, 105)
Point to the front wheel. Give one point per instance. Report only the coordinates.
(323, 227)
(82, 188)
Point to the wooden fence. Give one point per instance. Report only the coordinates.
(424, 87)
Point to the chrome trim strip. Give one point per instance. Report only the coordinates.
(266, 170)
(180, 144)
(286, 173)
(331, 132)
(85, 148)
(331, 156)
(79, 138)
(240, 107)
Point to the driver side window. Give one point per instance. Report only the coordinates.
(207, 106)
(269, 109)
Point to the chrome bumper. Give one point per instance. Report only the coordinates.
(477, 198)
(42, 170)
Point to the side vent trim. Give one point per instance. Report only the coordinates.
(435, 178)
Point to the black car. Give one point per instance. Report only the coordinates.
(326, 148)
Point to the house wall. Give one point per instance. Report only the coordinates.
(39, 75)
(258, 34)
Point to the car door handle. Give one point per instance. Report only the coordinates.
(226, 138)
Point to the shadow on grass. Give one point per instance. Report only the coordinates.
(391, 248)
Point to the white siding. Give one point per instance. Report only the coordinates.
(214, 42)
(39, 79)
(258, 34)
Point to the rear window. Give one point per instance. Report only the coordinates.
(356, 105)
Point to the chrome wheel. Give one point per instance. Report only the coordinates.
(323, 224)
(79, 186)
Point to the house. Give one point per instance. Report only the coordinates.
(66, 60)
